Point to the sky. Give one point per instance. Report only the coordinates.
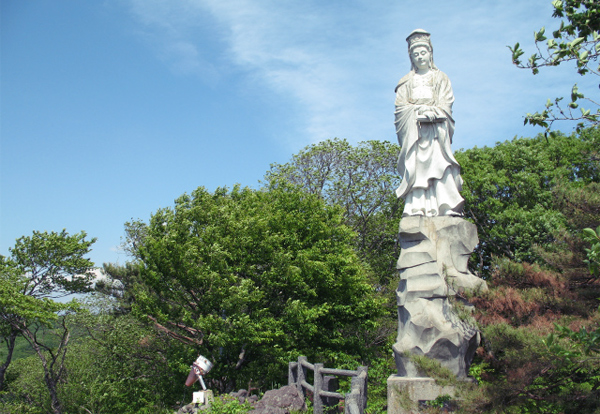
(112, 109)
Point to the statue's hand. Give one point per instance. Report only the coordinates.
(430, 115)
(427, 116)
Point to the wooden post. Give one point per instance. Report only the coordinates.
(317, 399)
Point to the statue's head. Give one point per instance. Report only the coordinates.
(419, 45)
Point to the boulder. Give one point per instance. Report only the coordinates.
(280, 401)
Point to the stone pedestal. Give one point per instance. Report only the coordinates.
(433, 268)
(203, 397)
(405, 393)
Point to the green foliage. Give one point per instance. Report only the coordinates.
(361, 180)
(228, 405)
(114, 364)
(509, 191)
(543, 355)
(119, 284)
(571, 381)
(593, 253)
(252, 279)
(479, 371)
(511, 361)
(576, 40)
(440, 402)
(22, 349)
(122, 366)
(379, 370)
(432, 368)
(26, 393)
(52, 264)
(39, 269)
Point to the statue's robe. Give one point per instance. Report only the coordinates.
(430, 174)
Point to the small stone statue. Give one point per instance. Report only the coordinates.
(430, 174)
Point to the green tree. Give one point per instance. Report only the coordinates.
(540, 321)
(121, 366)
(9, 282)
(576, 40)
(114, 364)
(39, 269)
(119, 284)
(252, 279)
(362, 180)
(593, 253)
(510, 192)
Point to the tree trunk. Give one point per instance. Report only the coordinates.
(51, 384)
(10, 343)
(53, 369)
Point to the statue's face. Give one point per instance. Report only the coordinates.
(421, 58)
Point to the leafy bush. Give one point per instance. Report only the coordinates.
(253, 279)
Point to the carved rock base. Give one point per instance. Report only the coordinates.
(433, 268)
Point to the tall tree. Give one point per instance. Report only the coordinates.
(119, 284)
(252, 279)
(121, 366)
(509, 191)
(9, 286)
(541, 322)
(362, 180)
(576, 40)
(39, 269)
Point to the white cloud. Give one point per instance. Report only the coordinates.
(170, 29)
(294, 50)
(336, 63)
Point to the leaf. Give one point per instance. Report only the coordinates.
(539, 36)
(576, 42)
(516, 53)
(588, 234)
(549, 341)
(574, 93)
(533, 60)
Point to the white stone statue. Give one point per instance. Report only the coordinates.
(430, 174)
(436, 244)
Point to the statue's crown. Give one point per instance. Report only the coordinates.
(418, 37)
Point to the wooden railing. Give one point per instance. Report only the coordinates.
(324, 389)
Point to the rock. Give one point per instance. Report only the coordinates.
(189, 409)
(433, 269)
(269, 409)
(280, 401)
(241, 393)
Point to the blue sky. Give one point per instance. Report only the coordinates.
(112, 109)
